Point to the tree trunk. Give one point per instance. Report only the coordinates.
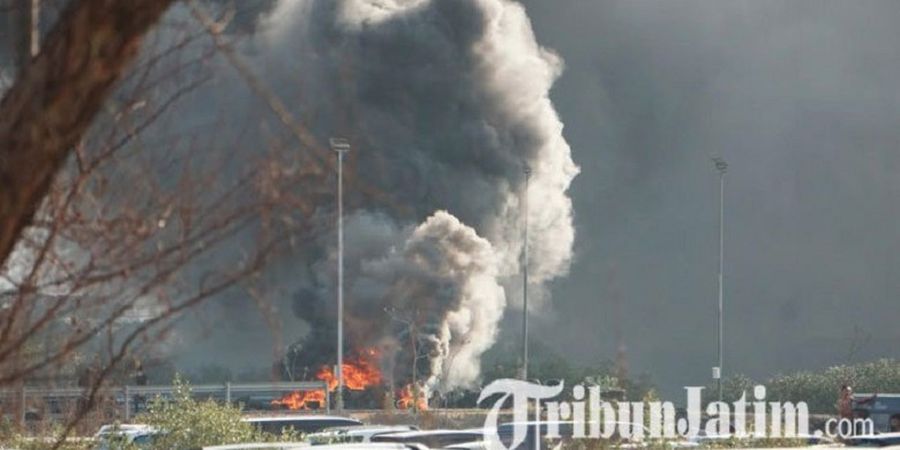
(56, 96)
(25, 35)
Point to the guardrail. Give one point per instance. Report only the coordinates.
(131, 399)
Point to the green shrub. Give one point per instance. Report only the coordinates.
(185, 423)
(819, 389)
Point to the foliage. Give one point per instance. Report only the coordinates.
(23, 443)
(185, 423)
(14, 439)
(732, 388)
(548, 366)
(820, 389)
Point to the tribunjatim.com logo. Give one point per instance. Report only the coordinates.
(750, 416)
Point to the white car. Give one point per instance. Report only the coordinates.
(373, 446)
(874, 440)
(260, 446)
(432, 438)
(132, 433)
(476, 445)
(355, 434)
(305, 424)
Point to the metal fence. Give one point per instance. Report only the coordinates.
(40, 404)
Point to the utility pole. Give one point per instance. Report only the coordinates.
(525, 277)
(722, 167)
(340, 146)
(620, 367)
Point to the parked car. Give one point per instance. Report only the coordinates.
(305, 424)
(304, 445)
(260, 446)
(129, 433)
(374, 446)
(874, 440)
(565, 431)
(355, 434)
(475, 445)
(432, 438)
(883, 409)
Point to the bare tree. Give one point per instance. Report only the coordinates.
(139, 224)
(56, 96)
(114, 219)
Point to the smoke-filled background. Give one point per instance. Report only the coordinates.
(445, 101)
(445, 104)
(800, 97)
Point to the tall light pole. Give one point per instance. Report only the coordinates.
(340, 146)
(722, 167)
(525, 277)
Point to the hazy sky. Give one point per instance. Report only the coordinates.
(802, 100)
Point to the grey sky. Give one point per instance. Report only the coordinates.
(801, 98)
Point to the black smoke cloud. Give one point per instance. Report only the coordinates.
(445, 104)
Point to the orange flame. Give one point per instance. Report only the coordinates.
(300, 399)
(359, 374)
(406, 397)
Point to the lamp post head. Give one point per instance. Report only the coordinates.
(720, 163)
(339, 145)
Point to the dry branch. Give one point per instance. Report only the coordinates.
(54, 100)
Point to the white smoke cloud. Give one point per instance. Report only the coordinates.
(444, 277)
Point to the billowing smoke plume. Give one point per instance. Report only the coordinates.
(446, 104)
(441, 283)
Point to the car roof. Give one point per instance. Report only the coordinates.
(369, 446)
(309, 417)
(877, 396)
(260, 445)
(362, 429)
(879, 436)
(474, 445)
(125, 429)
(420, 433)
(568, 422)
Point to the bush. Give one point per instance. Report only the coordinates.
(186, 423)
(820, 389)
(11, 439)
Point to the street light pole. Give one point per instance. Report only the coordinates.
(340, 146)
(722, 167)
(525, 278)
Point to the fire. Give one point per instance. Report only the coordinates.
(300, 399)
(359, 374)
(405, 398)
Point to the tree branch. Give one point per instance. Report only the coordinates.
(54, 100)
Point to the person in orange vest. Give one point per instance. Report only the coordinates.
(845, 403)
